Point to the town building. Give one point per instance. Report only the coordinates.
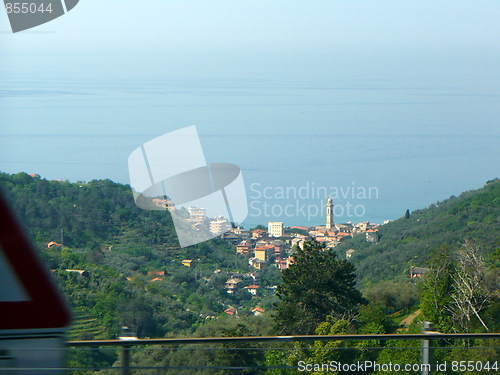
(418, 272)
(220, 225)
(264, 252)
(372, 235)
(275, 228)
(244, 247)
(232, 285)
(253, 289)
(231, 311)
(259, 233)
(257, 263)
(257, 311)
(349, 253)
(197, 214)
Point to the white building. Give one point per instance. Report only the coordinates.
(275, 228)
(197, 214)
(220, 225)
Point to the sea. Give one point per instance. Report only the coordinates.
(379, 137)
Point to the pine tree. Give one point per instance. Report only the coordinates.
(318, 284)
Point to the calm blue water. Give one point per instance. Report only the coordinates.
(408, 139)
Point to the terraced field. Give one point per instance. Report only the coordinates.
(85, 327)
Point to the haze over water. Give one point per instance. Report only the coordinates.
(407, 106)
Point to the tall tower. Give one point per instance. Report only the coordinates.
(329, 214)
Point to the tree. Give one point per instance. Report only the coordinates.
(244, 355)
(470, 295)
(318, 284)
(437, 288)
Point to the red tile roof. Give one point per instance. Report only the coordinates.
(252, 287)
(231, 311)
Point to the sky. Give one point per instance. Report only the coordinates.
(398, 95)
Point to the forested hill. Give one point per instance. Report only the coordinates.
(86, 214)
(408, 242)
(120, 265)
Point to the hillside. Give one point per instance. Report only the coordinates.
(120, 265)
(406, 243)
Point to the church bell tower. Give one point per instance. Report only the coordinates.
(329, 214)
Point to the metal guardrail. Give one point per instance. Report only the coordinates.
(232, 347)
(300, 338)
(126, 346)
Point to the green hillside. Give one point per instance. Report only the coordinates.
(406, 243)
(120, 265)
(133, 267)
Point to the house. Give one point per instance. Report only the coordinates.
(271, 289)
(299, 241)
(279, 247)
(283, 264)
(259, 233)
(322, 239)
(187, 262)
(418, 272)
(231, 237)
(257, 263)
(347, 227)
(232, 285)
(256, 278)
(231, 311)
(372, 235)
(81, 272)
(331, 244)
(263, 242)
(165, 203)
(349, 253)
(157, 279)
(197, 214)
(319, 229)
(247, 278)
(258, 311)
(51, 244)
(253, 289)
(220, 225)
(244, 247)
(240, 231)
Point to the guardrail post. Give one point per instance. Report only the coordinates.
(427, 359)
(126, 334)
(125, 359)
